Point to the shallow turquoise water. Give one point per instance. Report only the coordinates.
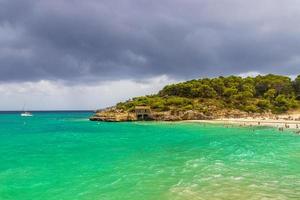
(54, 156)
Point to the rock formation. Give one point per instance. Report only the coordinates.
(113, 114)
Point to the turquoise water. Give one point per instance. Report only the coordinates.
(54, 156)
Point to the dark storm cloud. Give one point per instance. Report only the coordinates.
(99, 40)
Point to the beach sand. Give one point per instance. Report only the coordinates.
(289, 121)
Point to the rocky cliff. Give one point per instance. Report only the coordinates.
(113, 115)
(116, 115)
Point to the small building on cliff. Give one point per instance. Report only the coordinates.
(143, 113)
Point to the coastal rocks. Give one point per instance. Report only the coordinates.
(113, 115)
(181, 115)
(165, 116)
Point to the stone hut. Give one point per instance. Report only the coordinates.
(143, 113)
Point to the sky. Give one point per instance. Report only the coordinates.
(74, 54)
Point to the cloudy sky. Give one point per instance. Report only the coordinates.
(75, 54)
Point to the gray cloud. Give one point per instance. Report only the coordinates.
(89, 40)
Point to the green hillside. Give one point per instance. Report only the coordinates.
(270, 93)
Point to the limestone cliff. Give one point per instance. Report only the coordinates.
(113, 115)
(117, 115)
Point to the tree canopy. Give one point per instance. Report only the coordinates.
(271, 92)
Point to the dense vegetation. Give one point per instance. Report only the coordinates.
(273, 93)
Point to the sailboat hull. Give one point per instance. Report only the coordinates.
(26, 115)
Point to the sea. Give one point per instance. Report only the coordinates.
(64, 156)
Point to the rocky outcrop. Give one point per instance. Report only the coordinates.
(180, 115)
(113, 115)
(116, 115)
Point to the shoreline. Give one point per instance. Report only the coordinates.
(280, 124)
(287, 121)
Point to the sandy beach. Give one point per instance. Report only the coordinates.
(289, 121)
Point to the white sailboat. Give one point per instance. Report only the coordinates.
(26, 113)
